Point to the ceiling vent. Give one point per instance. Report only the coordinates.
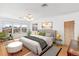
(44, 5)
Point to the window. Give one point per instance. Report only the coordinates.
(7, 28)
(24, 28)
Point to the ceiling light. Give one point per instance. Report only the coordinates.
(29, 17)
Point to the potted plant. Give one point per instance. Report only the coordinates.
(29, 33)
(2, 36)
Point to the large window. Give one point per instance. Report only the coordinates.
(7, 28)
(14, 28)
(24, 28)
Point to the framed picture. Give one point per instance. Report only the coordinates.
(35, 27)
(47, 25)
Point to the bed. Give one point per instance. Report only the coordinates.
(36, 46)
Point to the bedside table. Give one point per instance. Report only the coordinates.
(58, 41)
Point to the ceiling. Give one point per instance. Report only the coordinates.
(19, 10)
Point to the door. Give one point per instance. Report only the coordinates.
(68, 31)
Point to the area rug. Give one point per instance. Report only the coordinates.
(53, 51)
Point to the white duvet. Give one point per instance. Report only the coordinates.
(35, 46)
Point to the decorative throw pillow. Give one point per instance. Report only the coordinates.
(42, 33)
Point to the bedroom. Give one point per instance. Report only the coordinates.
(25, 19)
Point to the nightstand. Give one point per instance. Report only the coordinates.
(58, 41)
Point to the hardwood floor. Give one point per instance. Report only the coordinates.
(63, 52)
(3, 51)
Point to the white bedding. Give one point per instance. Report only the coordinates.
(47, 39)
(35, 46)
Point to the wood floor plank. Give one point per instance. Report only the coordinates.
(63, 52)
(3, 51)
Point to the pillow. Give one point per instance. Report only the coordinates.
(51, 34)
(48, 35)
(42, 33)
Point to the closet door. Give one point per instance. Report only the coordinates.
(69, 31)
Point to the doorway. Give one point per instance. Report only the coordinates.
(68, 31)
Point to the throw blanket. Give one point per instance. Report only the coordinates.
(42, 43)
